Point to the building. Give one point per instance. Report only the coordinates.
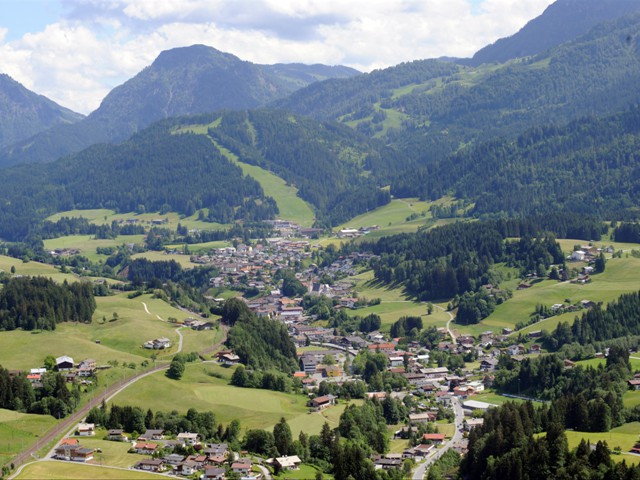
(322, 402)
(64, 363)
(86, 429)
(288, 462)
(188, 439)
(436, 438)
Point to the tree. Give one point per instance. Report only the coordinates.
(282, 436)
(176, 369)
(50, 363)
(600, 263)
(240, 378)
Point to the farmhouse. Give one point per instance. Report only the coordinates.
(322, 402)
(86, 429)
(214, 474)
(64, 363)
(188, 439)
(74, 453)
(289, 463)
(116, 435)
(150, 465)
(434, 437)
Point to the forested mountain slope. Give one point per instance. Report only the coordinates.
(590, 166)
(442, 106)
(561, 22)
(24, 113)
(181, 81)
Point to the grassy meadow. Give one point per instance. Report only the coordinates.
(20, 430)
(34, 269)
(200, 389)
(78, 471)
(624, 437)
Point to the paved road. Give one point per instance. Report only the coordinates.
(420, 472)
(69, 423)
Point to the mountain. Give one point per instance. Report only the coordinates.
(562, 21)
(24, 113)
(181, 81)
(188, 165)
(428, 109)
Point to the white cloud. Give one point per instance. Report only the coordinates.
(101, 43)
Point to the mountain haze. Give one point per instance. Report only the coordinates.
(561, 22)
(24, 113)
(181, 81)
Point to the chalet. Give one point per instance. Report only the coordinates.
(243, 468)
(144, 448)
(387, 463)
(229, 359)
(216, 449)
(116, 435)
(437, 438)
(150, 465)
(158, 344)
(421, 450)
(514, 350)
(291, 462)
(212, 473)
(188, 439)
(74, 453)
(150, 434)
(472, 423)
(568, 363)
(438, 372)
(635, 449)
(319, 403)
(331, 371)
(577, 256)
(173, 459)
(64, 363)
(404, 433)
(535, 348)
(422, 417)
(188, 467)
(396, 361)
(382, 347)
(488, 365)
(635, 383)
(86, 429)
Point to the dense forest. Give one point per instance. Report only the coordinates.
(457, 258)
(39, 303)
(261, 344)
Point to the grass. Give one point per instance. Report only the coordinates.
(195, 248)
(200, 390)
(76, 471)
(631, 398)
(305, 472)
(624, 437)
(34, 269)
(183, 260)
(620, 276)
(19, 431)
(114, 454)
(290, 205)
(394, 212)
(87, 244)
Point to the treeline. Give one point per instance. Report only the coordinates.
(165, 172)
(141, 270)
(507, 445)
(261, 344)
(136, 420)
(324, 161)
(627, 232)
(81, 226)
(39, 303)
(454, 259)
(585, 399)
(620, 318)
(54, 398)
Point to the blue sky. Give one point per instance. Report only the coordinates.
(76, 51)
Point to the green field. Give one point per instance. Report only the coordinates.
(624, 437)
(87, 244)
(196, 248)
(114, 454)
(290, 205)
(305, 472)
(394, 304)
(620, 276)
(200, 390)
(631, 398)
(19, 431)
(183, 260)
(34, 269)
(76, 471)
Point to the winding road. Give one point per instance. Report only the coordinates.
(451, 334)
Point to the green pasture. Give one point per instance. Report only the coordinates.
(80, 471)
(631, 398)
(114, 454)
(19, 431)
(198, 248)
(34, 269)
(305, 472)
(200, 390)
(183, 260)
(624, 437)
(290, 205)
(594, 362)
(620, 276)
(88, 244)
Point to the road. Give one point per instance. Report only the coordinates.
(69, 423)
(420, 472)
(451, 334)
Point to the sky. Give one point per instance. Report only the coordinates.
(76, 51)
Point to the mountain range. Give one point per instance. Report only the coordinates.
(530, 123)
(181, 81)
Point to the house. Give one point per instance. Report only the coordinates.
(74, 453)
(188, 467)
(472, 423)
(116, 435)
(577, 256)
(386, 463)
(635, 449)
(635, 384)
(64, 363)
(568, 363)
(422, 417)
(382, 347)
(212, 473)
(331, 371)
(437, 438)
(489, 364)
(150, 465)
(322, 402)
(422, 450)
(86, 429)
(221, 449)
(188, 439)
(535, 348)
(471, 405)
(309, 364)
(243, 468)
(144, 448)
(173, 459)
(291, 462)
(150, 434)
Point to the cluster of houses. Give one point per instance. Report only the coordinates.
(64, 364)
(161, 343)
